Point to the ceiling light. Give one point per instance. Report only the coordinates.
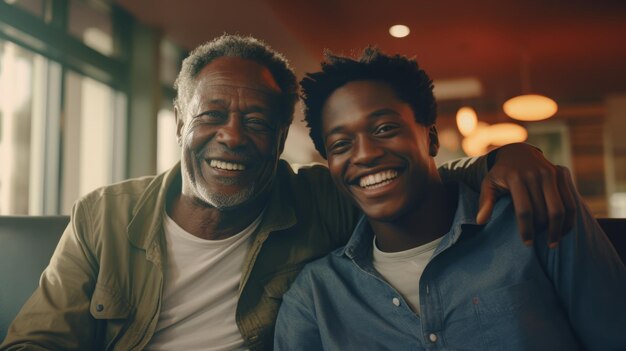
(399, 31)
(466, 120)
(478, 142)
(530, 107)
(506, 133)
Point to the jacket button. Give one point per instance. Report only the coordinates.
(99, 307)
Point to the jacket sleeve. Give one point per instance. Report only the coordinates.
(57, 315)
(590, 279)
(468, 170)
(296, 327)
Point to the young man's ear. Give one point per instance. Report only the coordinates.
(433, 139)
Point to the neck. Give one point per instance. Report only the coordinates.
(429, 219)
(210, 223)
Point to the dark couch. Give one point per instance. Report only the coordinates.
(27, 243)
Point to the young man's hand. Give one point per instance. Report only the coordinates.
(537, 187)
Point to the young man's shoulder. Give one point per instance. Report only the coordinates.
(324, 270)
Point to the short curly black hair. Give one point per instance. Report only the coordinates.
(410, 82)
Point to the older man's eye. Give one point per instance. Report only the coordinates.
(259, 124)
(213, 116)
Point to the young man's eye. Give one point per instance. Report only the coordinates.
(339, 146)
(385, 128)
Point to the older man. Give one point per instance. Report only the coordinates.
(200, 256)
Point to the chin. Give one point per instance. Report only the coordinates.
(223, 201)
(382, 214)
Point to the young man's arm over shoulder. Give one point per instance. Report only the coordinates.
(57, 316)
(590, 279)
(534, 184)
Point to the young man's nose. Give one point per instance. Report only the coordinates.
(366, 151)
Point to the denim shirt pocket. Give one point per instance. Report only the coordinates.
(505, 313)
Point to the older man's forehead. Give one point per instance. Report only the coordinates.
(234, 72)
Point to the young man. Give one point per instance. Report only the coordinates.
(418, 272)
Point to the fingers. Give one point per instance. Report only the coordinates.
(486, 201)
(566, 192)
(555, 208)
(523, 210)
(533, 181)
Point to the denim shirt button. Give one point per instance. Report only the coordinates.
(432, 337)
(99, 308)
(396, 301)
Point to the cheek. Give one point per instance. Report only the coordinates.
(335, 166)
(195, 137)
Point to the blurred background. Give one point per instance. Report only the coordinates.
(86, 86)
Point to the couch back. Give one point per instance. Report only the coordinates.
(27, 243)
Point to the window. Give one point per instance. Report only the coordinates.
(93, 137)
(63, 105)
(35, 7)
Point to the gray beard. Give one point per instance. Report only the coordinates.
(224, 202)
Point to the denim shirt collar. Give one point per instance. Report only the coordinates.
(359, 247)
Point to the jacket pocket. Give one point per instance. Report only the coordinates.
(108, 304)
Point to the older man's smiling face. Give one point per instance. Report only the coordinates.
(230, 133)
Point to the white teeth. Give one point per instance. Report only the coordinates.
(227, 165)
(379, 179)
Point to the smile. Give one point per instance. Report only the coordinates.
(376, 180)
(228, 166)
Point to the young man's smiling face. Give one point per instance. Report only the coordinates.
(377, 153)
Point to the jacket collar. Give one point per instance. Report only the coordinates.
(279, 213)
(147, 215)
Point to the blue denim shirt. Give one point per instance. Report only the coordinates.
(481, 290)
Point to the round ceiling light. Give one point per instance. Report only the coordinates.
(466, 120)
(399, 31)
(530, 107)
(497, 134)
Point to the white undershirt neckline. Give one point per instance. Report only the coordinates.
(403, 269)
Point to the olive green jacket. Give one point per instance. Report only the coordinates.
(104, 285)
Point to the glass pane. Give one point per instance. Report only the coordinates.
(170, 62)
(92, 25)
(89, 137)
(168, 151)
(35, 7)
(20, 77)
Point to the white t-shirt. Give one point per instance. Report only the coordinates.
(200, 291)
(403, 269)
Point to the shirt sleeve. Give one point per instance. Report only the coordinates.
(56, 316)
(296, 326)
(590, 279)
(468, 170)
